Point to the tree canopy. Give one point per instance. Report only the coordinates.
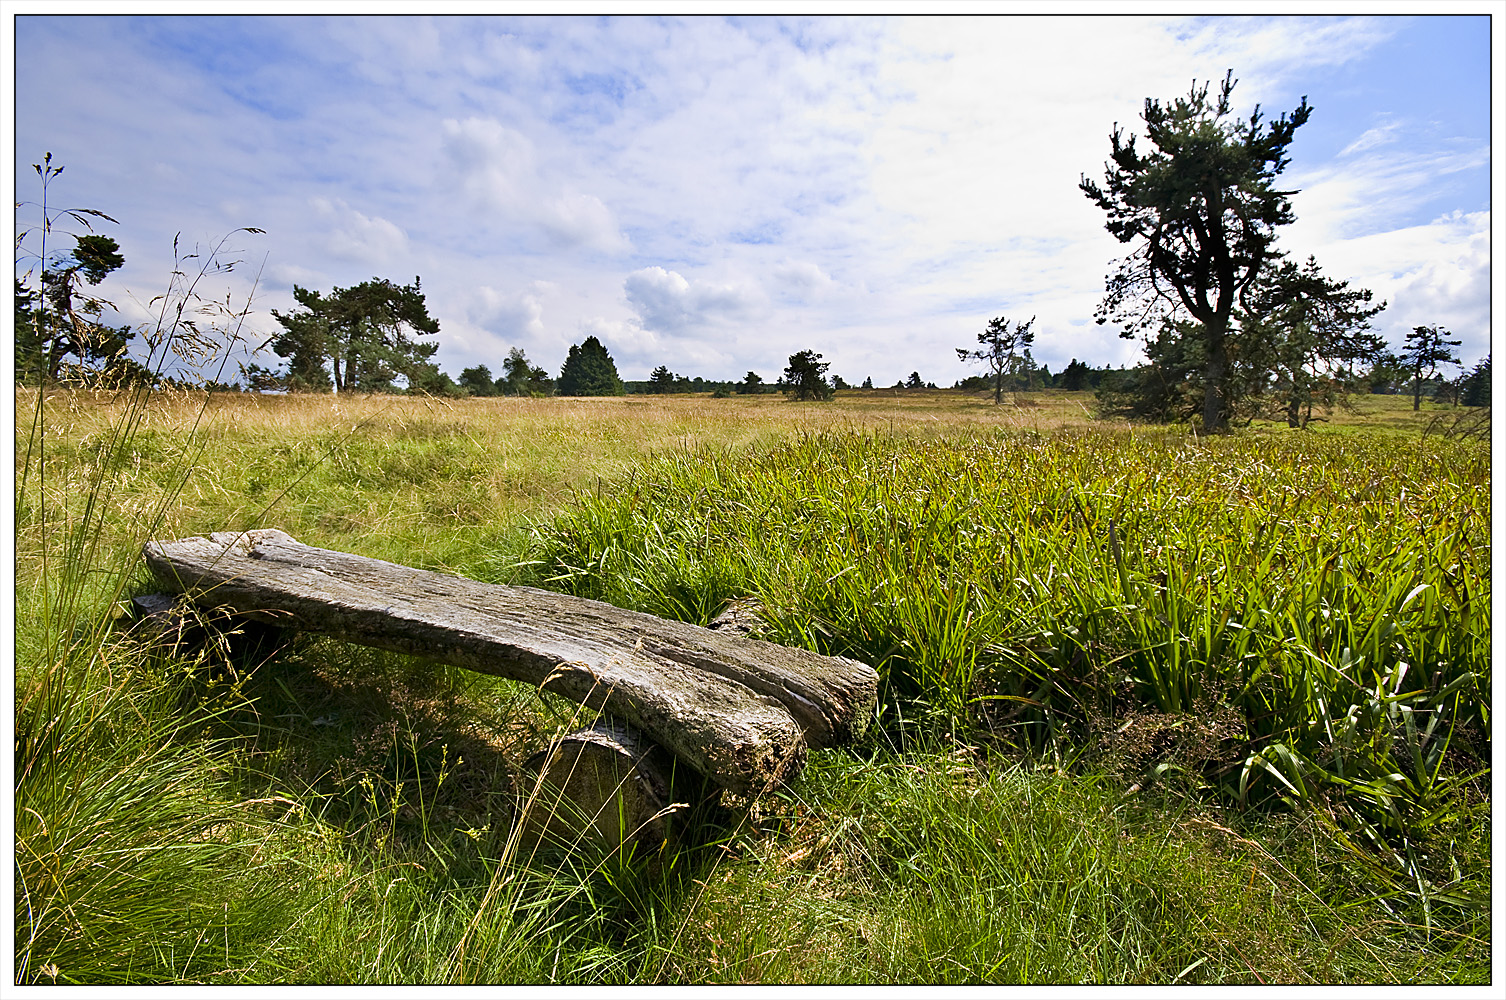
(1475, 387)
(661, 380)
(478, 381)
(589, 371)
(367, 334)
(521, 377)
(1425, 349)
(1001, 350)
(805, 377)
(58, 333)
(1201, 211)
(1304, 336)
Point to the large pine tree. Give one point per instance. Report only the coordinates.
(1201, 210)
(366, 333)
(589, 371)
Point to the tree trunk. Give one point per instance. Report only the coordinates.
(1214, 373)
(740, 711)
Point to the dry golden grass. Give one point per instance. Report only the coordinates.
(442, 482)
(390, 475)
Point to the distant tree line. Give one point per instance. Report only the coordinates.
(377, 337)
(1275, 340)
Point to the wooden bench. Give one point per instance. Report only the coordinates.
(739, 711)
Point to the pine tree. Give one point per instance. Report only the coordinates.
(520, 377)
(1002, 347)
(478, 381)
(366, 333)
(1202, 212)
(1476, 388)
(661, 380)
(806, 376)
(589, 371)
(1426, 348)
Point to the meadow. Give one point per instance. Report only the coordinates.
(1154, 707)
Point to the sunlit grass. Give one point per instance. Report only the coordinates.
(1037, 807)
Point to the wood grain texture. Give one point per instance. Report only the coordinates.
(739, 710)
(606, 784)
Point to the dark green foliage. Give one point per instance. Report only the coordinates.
(914, 381)
(520, 377)
(427, 380)
(868, 382)
(1074, 378)
(1475, 390)
(1426, 348)
(1001, 350)
(58, 333)
(661, 380)
(478, 381)
(261, 379)
(1168, 387)
(367, 335)
(1300, 343)
(805, 377)
(752, 383)
(589, 371)
(1202, 212)
(1386, 373)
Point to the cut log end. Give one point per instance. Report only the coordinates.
(607, 786)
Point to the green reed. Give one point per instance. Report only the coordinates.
(1333, 591)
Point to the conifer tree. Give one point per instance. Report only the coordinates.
(1202, 211)
(589, 371)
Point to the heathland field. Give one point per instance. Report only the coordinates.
(1154, 707)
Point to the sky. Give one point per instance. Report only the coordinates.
(717, 193)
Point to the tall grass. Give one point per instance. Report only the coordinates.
(1333, 592)
(334, 815)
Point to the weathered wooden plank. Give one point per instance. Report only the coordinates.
(739, 710)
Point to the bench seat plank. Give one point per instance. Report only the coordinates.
(741, 711)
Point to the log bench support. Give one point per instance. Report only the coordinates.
(739, 711)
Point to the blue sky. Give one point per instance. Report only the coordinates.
(715, 194)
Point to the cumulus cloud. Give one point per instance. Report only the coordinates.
(354, 236)
(1438, 273)
(500, 171)
(802, 280)
(723, 193)
(511, 315)
(666, 302)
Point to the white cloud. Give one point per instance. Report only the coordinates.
(1438, 273)
(1384, 134)
(716, 193)
(500, 172)
(666, 302)
(352, 235)
(802, 280)
(287, 275)
(624, 336)
(511, 315)
(1373, 191)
